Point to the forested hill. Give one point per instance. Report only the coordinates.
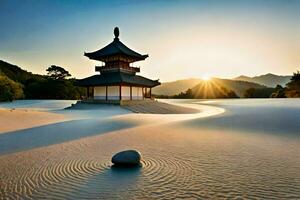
(16, 83)
(239, 87)
(17, 74)
(176, 87)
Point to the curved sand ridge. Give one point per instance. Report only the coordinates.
(17, 119)
(178, 162)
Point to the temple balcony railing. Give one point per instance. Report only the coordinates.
(110, 68)
(136, 69)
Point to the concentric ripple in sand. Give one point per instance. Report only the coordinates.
(179, 161)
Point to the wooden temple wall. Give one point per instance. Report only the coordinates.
(113, 93)
(125, 91)
(100, 93)
(137, 93)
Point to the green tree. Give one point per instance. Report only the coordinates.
(293, 87)
(9, 89)
(279, 92)
(57, 72)
(231, 94)
(249, 93)
(54, 89)
(215, 93)
(259, 92)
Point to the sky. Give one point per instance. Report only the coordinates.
(184, 39)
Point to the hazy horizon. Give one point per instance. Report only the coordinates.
(184, 39)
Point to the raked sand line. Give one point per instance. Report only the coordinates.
(179, 162)
(173, 165)
(201, 111)
(156, 107)
(64, 170)
(139, 106)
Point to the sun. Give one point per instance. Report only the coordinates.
(206, 77)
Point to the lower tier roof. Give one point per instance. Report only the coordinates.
(117, 78)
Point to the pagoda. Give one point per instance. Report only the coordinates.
(117, 80)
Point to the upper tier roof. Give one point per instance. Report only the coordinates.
(117, 78)
(115, 48)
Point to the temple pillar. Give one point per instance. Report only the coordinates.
(87, 92)
(120, 92)
(106, 88)
(130, 92)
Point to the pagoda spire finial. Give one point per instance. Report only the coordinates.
(116, 32)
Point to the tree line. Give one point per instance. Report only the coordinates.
(16, 83)
(292, 90)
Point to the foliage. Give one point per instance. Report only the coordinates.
(296, 76)
(54, 89)
(17, 74)
(9, 89)
(293, 87)
(162, 96)
(175, 87)
(57, 72)
(210, 91)
(259, 92)
(14, 80)
(292, 90)
(279, 92)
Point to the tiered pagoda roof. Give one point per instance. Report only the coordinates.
(115, 48)
(117, 70)
(117, 78)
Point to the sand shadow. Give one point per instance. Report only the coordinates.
(57, 133)
(125, 171)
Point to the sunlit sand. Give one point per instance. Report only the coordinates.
(210, 154)
(17, 119)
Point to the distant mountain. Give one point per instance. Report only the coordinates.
(269, 80)
(243, 78)
(208, 90)
(239, 87)
(175, 87)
